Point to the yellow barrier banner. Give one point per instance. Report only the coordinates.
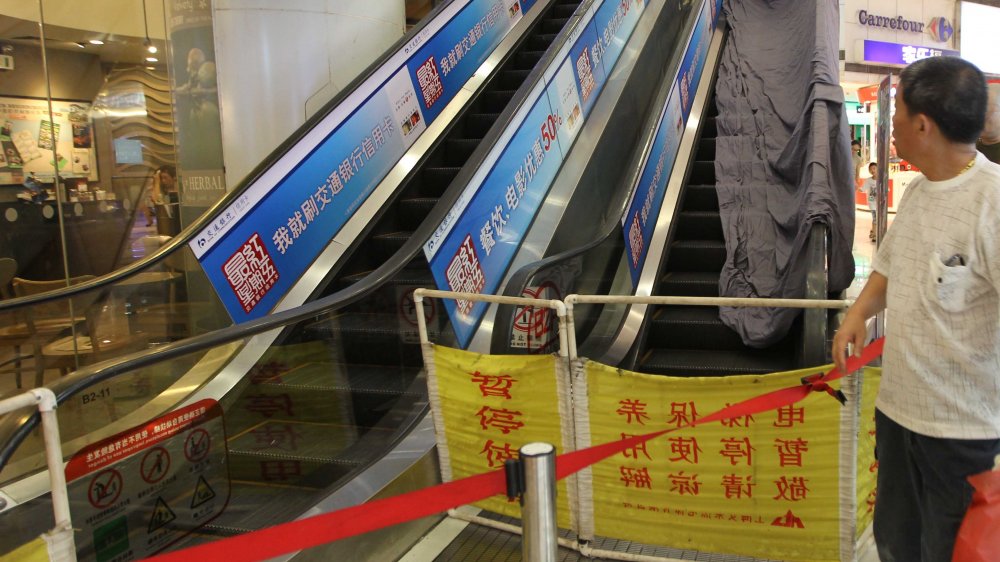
(867, 465)
(486, 407)
(35, 551)
(763, 485)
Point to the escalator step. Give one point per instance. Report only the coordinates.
(709, 127)
(541, 41)
(706, 149)
(494, 101)
(413, 210)
(407, 276)
(565, 8)
(703, 172)
(457, 151)
(385, 245)
(477, 124)
(553, 25)
(527, 59)
(436, 180)
(511, 79)
(701, 198)
(709, 363)
(697, 255)
(699, 225)
(689, 283)
(691, 327)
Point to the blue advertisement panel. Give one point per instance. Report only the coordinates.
(614, 21)
(261, 245)
(472, 249)
(650, 189)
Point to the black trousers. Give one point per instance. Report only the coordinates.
(922, 492)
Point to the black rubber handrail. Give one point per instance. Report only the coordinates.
(206, 218)
(14, 431)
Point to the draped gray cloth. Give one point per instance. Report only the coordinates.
(783, 157)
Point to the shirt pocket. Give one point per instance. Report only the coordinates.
(952, 286)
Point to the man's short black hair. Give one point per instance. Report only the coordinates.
(855, 142)
(949, 90)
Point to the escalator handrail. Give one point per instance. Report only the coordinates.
(185, 236)
(519, 280)
(14, 431)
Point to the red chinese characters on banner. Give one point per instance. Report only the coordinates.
(633, 452)
(684, 449)
(682, 414)
(499, 419)
(250, 272)
(503, 419)
(788, 416)
(791, 489)
(496, 454)
(737, 487)
(636, 477)
(465, 274)
(790, 451)
(737, 449)
(494, 385)
(684, 484)
(633, 410)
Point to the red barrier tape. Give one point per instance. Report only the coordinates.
(321, 529)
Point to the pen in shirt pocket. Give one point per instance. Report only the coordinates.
(957, 259)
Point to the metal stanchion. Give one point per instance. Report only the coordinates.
(540, 542)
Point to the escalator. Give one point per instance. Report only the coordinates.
(692, 340)
(686, 257)
(322, 403)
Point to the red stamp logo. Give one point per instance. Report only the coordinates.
(250, 272)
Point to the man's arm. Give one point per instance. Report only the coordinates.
(870, 302)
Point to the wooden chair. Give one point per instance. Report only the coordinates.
(47, 322)
(14, 331)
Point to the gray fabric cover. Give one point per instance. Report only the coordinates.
(782, 157)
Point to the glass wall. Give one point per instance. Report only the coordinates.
(85, 111)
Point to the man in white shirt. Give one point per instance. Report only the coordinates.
(938, 275)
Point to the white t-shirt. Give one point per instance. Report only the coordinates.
(941, 364)
(868, 186)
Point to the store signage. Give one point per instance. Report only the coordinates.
(472, 248)
(258, 247)
(940, 29)
(647, 194)
(896, 23)
(898, 53)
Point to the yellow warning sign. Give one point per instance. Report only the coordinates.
(162, 514)
(491, 405)
(202, 493)
(764, 485)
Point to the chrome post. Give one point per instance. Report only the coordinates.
(538, 511)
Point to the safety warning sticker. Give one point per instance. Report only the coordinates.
(137, 492)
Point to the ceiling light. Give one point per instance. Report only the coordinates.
(96, 42)
(151, 48)
(152, 59)
(150, 68)
(81, 45)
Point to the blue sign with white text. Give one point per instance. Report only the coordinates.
(475, 245)
(260, 246)
(647, 196)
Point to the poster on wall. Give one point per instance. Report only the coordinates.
(34, 142)
(196, 106)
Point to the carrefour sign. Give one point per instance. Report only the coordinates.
(939, 28)
(897, 23)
